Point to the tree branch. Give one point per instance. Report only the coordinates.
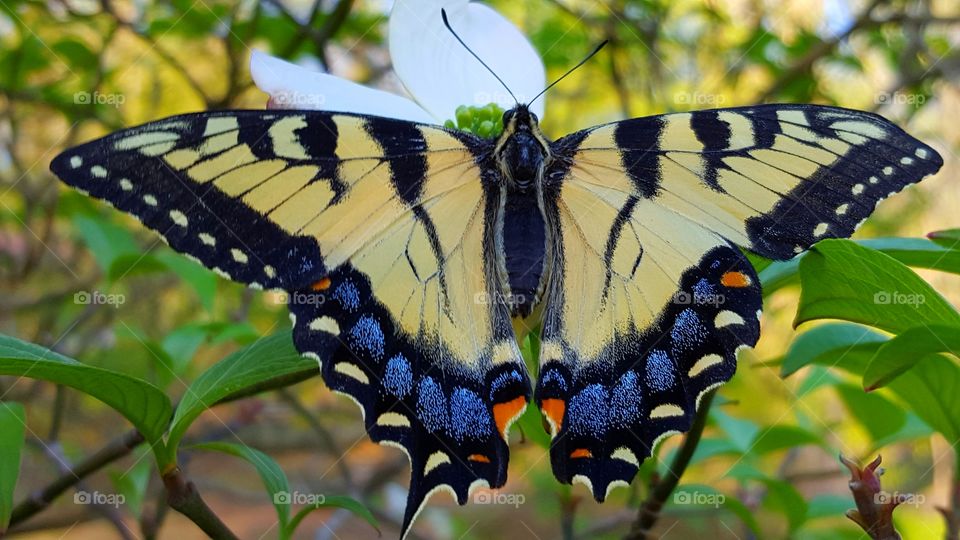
(108, 454)
(649, 511)
(182, 496)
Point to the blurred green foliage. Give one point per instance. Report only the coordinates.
(101, 309)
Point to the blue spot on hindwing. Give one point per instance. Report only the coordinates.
(348, 295)
(687, 331)
(625, 399)
(366, 335)
(660, 375)
(469, 417)
(588, 411)
(703, 289)
(398, 378)
(432, 405)
(554, 377)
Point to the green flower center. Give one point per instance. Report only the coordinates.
(485, 121)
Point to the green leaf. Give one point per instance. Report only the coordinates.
(841, 280)
(878, 415)
(107, 241)
(270, 363)
(781, 437)
(903, 351)
(132, 482)
(201, 280)
(828, 505)
(780, 495)
(931, 388)
(741, 432)
(949, 238)
(13, 426)
(274, 479)
(143, 404)
(819, 344)
(941, 253)
(918, 252)
(335, 501)
(181, 345)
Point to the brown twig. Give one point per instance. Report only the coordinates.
(108, 454)
(182, 496)
(649, 511)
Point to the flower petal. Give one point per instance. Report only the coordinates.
(441, 74)
(293, 87)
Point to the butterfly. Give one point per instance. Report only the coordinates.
(432, 249)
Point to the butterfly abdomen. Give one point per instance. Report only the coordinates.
(524, 246)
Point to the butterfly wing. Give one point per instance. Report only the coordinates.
(650, 297)
(377, 229)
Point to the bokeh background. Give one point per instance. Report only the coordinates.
(73, 70)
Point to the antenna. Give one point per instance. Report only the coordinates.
(446, 22)
(571, 70)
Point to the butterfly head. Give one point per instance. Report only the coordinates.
(522, 151)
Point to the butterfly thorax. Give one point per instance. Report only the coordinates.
(522, 152)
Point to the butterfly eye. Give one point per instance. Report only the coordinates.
(507, 115)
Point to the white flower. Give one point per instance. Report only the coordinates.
(436, 70)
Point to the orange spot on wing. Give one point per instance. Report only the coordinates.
(554, 409)
(321, 285)
(580, 453)
(478, 457)
(735, 279)
(504, 413)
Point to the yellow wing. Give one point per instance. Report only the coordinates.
(650, 297)
(377, 228)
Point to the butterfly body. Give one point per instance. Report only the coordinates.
(415, 256)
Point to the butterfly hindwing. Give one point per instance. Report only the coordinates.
(650, 296)
(377, 229)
